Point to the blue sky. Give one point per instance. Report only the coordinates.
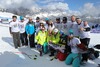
(91, 7)
(76, 4)
(72, 4)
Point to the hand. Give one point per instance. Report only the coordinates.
(82, 29)
(50, 41)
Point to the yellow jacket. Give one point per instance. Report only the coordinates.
(49, 37)
(41, 37)
(56, 39)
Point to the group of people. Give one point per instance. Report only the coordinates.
(45, 35)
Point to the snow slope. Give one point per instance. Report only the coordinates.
(11, 57)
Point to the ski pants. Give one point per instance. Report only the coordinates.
(74, 59)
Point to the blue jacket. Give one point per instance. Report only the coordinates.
(30, 28)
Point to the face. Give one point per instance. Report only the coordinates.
(73, 18)
(14, 19)
(22, 20)
(78, 21)
(30, 19)
(43, 29)
(70, 36)
(85, 23)
(50, 33)
(37, 20)
(57, 21)
(64, 21)
(55, 33)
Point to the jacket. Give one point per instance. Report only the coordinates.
(41, 37)
(30, 28)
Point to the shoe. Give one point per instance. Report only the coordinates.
(83, 63)
(16, 47)
(51, 55)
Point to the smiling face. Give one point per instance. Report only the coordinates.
(78, 21)
(73, 18)
(14, 19)
(30, 19)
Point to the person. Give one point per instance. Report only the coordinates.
(47, 20)
(64, 33)
(80, 25)
(74, 57)
(23, 35)
(58, 24)
(50, 25)
(64, 27)
(41, 41)
(14, 31)
(30, 30)
(37, 24)
(85, 38)
(74, 26)
(54, 42)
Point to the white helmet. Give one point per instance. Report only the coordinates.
(56, 30)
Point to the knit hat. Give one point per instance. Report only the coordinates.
(21, 18)
(70, 32)
(46, 19)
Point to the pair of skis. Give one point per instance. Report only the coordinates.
(33, 57)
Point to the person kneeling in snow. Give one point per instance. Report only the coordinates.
(41, 41)
(53, 43)
(75, 56)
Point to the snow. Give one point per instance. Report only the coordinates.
(11, 57)
(5, 14)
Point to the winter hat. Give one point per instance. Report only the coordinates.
(70, 32)
(43, 22)
(21, 17)
(55, 30)
(46, 19)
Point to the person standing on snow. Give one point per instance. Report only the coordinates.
(50, 26)
(30, 30)
(64, 33)
(23, 35)
(58, 24)
(84, 30)
(37, 24)
(74, 26)
(15, 32)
